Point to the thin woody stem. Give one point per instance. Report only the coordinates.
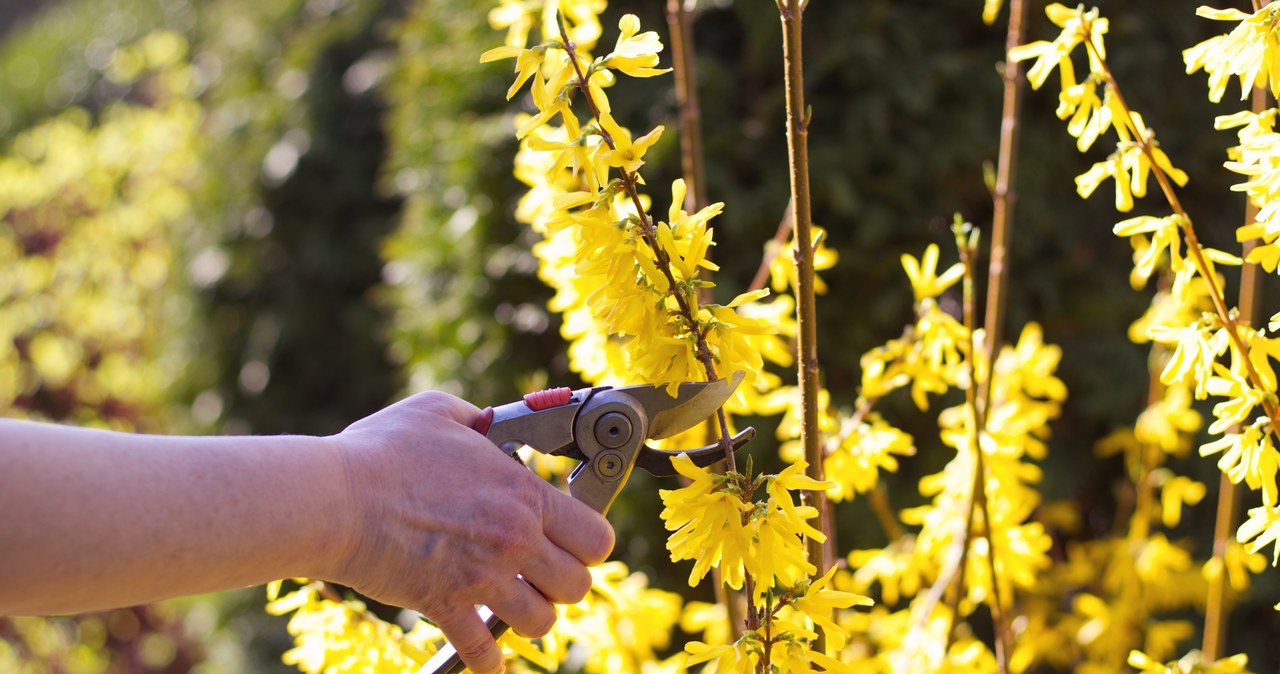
(1216, 604)
(779, 240)
(629, 181)
(680, 27)
(1216, 294)
(878, 498)
(791, 12)
(978, 499)
(1005, 192)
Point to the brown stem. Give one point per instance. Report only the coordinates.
(1216, 604)
(680, 27)
(763, 666)
(1216, 294)
(878, 498)
(779, 240)
(629, 181)
(792, 14)
(1005, 191)
(978, 498)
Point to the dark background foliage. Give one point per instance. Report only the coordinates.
(357, 209)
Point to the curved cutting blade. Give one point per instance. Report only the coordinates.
(693, 403)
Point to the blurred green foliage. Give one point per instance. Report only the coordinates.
(345, 234)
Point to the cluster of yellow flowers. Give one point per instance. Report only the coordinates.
(627, 285)
(620, 627)
(950, 548)
(1202, 347)
(628, 289)
(632, 289)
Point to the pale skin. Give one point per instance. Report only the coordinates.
(409, 506)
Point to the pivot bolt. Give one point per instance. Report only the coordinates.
(609, 464)
(613, 430)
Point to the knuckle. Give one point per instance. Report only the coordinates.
(511, 540)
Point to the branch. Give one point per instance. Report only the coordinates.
(680, 27)
(1216, 294)
(779, 240)
(1216, 609)
(978, 499)
(1005, 190)
(791, 13)
(629, 181)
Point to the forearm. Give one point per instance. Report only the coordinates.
(93, 519)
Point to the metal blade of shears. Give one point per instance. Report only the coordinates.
(693, 403)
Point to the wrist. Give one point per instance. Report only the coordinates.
(340, 518)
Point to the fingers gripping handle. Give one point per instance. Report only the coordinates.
(610, 431)
(446, 660)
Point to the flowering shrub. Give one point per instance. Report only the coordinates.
(984, 575)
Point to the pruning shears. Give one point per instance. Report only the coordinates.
(605, 429)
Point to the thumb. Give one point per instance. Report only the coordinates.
(445, 405)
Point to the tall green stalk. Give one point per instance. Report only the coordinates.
(792, 13)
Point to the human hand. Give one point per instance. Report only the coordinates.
(444, 520)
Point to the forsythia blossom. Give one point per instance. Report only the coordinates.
(1249, 52)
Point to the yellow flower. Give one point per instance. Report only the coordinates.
(635, 54)
(1240, 394)
(623, 623)
(711, 620)
(991, 10)
(1165, 236)
(528, 61)
(899, 570)
(548, 98)
(781, 525)
(1130, 165)
(1249, 52)
(1077, 26)
(782, 261)
(1196, 349)
(1237, 563)
(739, 658)
(686, 238)
(925, 281)
(707, 524)
(1192, 662)
(514, 16)
(1249, 457)
(861, 451)
(1090, 116)
(817, 603)
(1262, 527)
(625, 154)
(1174, 491)
(1169, 422)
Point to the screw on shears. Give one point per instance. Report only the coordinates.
(604, 428)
